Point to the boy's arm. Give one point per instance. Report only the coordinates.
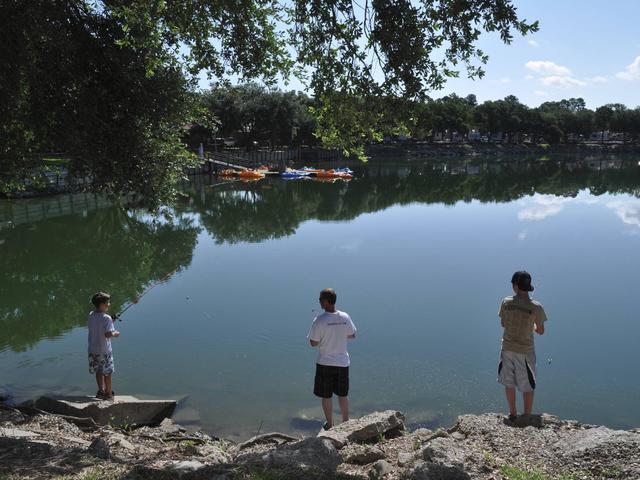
(313, 334)
(540, 319)
(110, 330)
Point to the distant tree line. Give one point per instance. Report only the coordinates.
(552, 122)
(253, 113)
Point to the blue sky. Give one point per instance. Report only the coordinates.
(588, 49)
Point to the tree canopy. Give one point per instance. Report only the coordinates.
(110, 82)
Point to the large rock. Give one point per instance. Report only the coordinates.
(602, 449)
(363, 455)
(444, 458)
(597, 439)
(364, 429)
(123, 410)
(308, 454)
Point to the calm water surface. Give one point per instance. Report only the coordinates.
(420, 256)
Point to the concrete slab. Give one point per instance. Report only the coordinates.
(16, 433)
(122, 410)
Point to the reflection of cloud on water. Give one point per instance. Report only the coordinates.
(350, 247)
(628, 211)
(544, 206)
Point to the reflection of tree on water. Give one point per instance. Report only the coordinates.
(50, 268)
(275, 208)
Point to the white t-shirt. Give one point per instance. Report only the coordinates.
(331, 330)
(99, 324)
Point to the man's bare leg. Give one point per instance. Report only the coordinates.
(99, 381)
(107, 384)
(527, 397)
(511, 400)
(327, 408)
(344, 407)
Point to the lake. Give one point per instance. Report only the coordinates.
(420, 256)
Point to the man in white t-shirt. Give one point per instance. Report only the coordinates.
(330, 332)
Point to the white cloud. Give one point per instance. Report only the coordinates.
(632, 72)
(540, 93)
(545, 67)
(562, 82)
(505, 80)
(522, 235)
(597, 79)
(533, 43)
(528, 77)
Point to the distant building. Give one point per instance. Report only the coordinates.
(474, 136)
(601, 136)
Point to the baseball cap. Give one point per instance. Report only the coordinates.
(523, 280)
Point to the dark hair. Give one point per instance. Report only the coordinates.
(100, 298)
(329, 294)
(522, 279)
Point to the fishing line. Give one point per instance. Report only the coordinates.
(133, 302)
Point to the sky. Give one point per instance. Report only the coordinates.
(588, 49)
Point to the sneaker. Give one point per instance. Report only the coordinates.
(326, 426)
(100, 395)
(109, 396)
(512, 417)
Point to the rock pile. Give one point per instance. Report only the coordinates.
(376, 446)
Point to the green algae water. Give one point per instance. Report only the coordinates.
(419, 254)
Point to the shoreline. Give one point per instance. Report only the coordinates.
(417, 151)
(377, 445)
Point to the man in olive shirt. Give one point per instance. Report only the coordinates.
(520, 316)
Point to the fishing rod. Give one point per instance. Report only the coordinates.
(162, 280)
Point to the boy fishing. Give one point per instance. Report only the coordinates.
(101, 331)
(520, 316)
(330, 332)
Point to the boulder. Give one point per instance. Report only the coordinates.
(123, 410)
(587, 442)
(445, 458)
(186, 466)
(99, 448)
(365, 429)
(311, 453)
(169, 427)
(365, 455)
(404, 459)
(213, 454)
(381, 468)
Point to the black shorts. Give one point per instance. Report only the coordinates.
(330, 380)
